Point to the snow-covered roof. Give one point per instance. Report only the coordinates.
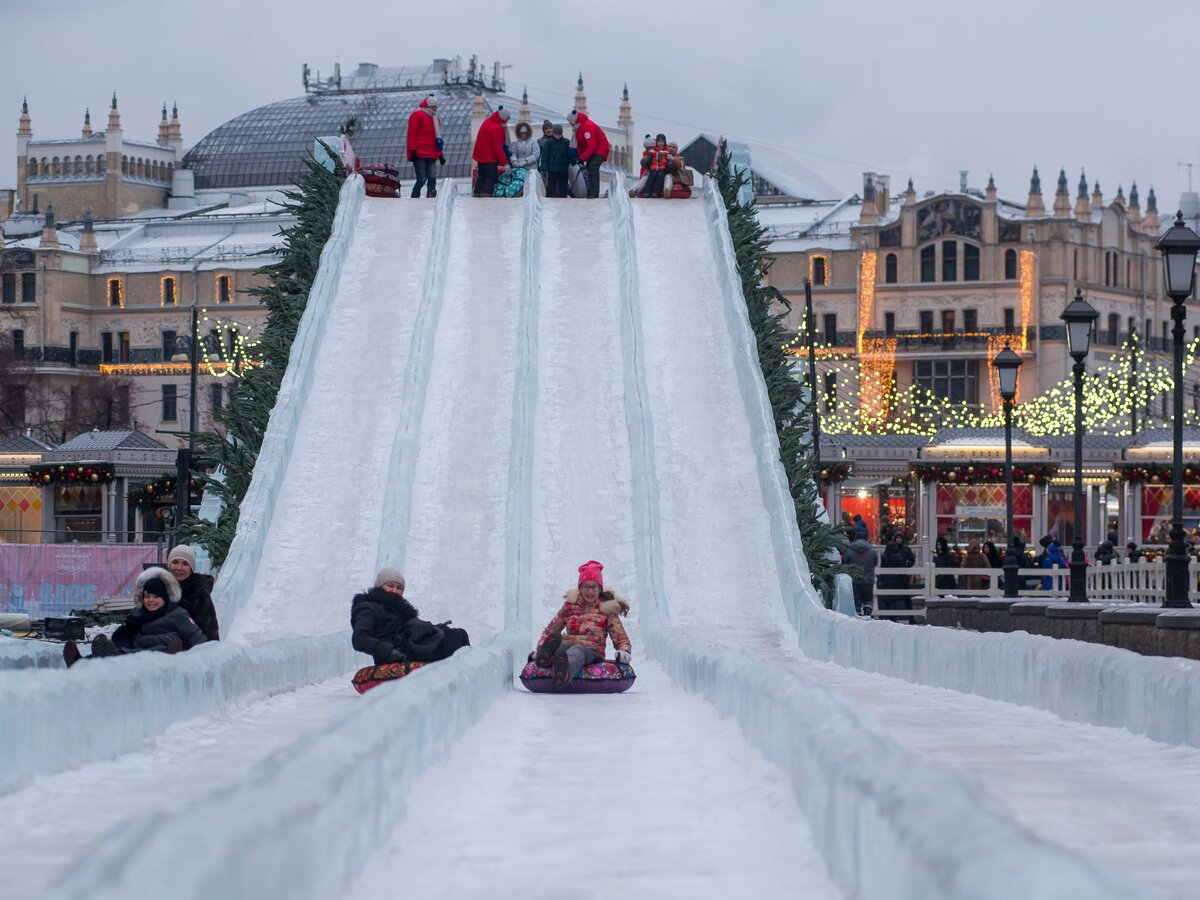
(21, 443)
(103, 441)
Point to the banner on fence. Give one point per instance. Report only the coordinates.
(53, 579)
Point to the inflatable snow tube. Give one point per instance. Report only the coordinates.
(605, 677)
(373, 676)
(380, 180)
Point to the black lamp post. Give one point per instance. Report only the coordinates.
(1081, 318)
(1178, 248)
(192, 346)
(1006, 365)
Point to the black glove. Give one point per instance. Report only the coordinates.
(412, 156)
(397, 656)
(442, 160)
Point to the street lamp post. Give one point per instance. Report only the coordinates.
(812, 380)
(1006, 365)
(183, 463)
(1081, 318)
(1178, 248)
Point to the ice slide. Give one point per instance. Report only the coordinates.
(596, 321)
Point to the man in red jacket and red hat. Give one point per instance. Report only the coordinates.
(592, 144)
(425, 145)
(491, 151)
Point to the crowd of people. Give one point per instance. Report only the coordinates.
(566, 166)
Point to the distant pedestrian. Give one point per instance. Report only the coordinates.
(860, 528)
(1132, 553)
(592, 145)
(555, 161)
(491, 152)
(975, 559)
(425, 145)
(860, 553)
(896, 555)
(944, 559)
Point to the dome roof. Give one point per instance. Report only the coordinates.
(268, 145)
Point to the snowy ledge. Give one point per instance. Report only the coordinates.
(55, 720)
(340, 789)
(889, 823)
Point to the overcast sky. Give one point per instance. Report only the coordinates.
(921, 89)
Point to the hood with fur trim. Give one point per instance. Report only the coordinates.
(168, 579)
(610, 603)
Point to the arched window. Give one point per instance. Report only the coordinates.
(1010, 265)
(32, 169)
(101, 164)
(949, 260)
(889, 269)
(929, 263)
(89, 165)
(1114, 327)
(141, 168)
(55, 166)
(124, 164)
(79, 165)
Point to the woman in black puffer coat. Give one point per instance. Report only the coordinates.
(195, 589)
(388, 627)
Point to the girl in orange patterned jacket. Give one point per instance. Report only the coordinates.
(590, 615)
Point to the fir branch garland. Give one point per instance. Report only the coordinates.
(234, 449)
(823, 542)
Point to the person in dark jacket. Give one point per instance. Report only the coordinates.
(995, 560)
(944, 559)
(389, 628)
(1133, 554)
(195, 590)
(157, 622)
(555, 162)
(860, 553)
(896, 555)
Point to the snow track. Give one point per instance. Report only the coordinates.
(518, 387)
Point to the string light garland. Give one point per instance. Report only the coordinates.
(982, 472)
(80, 473)
(1155, 473)
(161, 490)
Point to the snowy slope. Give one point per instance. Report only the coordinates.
(322, 542)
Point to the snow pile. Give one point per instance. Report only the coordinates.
(889, 823)
(233, 588)
(19, 653)
(340, 789)
(54, 720)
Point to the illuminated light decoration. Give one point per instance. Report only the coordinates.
(217, 368)
(982, 472)
(115, 286)
(1156, 473)
(996, 343)
(876, 356)
(241, 352)
(76, 473)
(161, 490)
(168, 291)
(834, 473)
(1028, 271)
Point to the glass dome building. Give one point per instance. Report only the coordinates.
(267, 146)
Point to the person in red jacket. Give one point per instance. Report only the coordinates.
(592, 144)
(425, 145)
(491, 151)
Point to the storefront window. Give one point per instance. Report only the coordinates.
(77, 513)
(1060, 516)
(1157, 512)
(967, 512)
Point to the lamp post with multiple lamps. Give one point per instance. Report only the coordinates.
(1006, 365)
(1178, 248)
(1080, 317)
(191, 346)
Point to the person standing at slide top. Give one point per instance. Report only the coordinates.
(592, 145)
(425, 145)
(491, 151)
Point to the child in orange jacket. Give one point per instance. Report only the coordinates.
(590, 615)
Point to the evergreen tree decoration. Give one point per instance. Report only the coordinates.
(244, 419)
(822, 541)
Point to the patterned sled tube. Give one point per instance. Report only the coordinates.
(373, 676)
(605, 677)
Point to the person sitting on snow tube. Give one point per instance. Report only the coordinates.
(654, 161)
(590, 615)
(679, 178)
(157, 622)
(195, 590)
(389, 628)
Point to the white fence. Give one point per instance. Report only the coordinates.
(1140, 582)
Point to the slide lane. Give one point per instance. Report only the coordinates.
(322, 540)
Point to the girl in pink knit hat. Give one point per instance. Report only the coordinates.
(591, 615)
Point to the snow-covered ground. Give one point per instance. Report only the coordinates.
(643, 794)
(52, 821)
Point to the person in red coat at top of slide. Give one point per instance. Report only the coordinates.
(425, 145)
(491, 151)
(592, 144)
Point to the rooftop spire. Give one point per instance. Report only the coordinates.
(114, 115)
(625, 91)
(1035, 183)
(1151, 201)
(87, 122)
(174, 110)
(579, 83)
(524, 96)
(114, 100)
(164, 112)
(1062, 180)
(1133, 196)
(1082, 194)
(23, 126)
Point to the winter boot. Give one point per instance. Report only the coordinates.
(561, 669)
(545, 653)
(176, 645)
(71, 654)
(102, 646)
(431, 193)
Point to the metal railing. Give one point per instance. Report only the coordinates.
(1121, 582)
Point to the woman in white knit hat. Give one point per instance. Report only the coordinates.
(196, 590)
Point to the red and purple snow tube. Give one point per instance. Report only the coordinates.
(605, 677)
